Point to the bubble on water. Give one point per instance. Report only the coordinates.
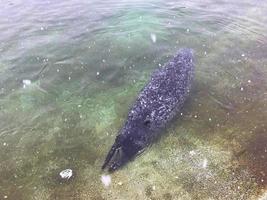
(106, 180)
(26, 82)
(153, 37)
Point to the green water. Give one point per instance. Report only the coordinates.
(70, 70)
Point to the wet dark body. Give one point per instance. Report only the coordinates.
(158, 102)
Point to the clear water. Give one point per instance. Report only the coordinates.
(69, 71)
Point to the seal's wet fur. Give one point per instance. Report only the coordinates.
(158, 102)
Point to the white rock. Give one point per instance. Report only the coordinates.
(66, 174)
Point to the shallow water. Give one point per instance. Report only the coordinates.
(69, 71)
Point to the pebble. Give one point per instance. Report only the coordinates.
(66, 174)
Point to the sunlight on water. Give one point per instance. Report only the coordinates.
(70, 70)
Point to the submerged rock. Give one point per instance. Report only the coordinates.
(65, 175)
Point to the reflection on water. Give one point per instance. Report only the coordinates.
(70, 70)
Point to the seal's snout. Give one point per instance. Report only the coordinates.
(115, 158)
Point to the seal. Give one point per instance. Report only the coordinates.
(157, 104)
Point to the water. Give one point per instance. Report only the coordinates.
(69, 70)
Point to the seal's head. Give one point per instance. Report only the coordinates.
(128, 144)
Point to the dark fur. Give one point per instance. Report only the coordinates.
(158, 102)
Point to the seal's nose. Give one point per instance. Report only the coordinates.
(115, 158)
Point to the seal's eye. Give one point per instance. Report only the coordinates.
(147, 122)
